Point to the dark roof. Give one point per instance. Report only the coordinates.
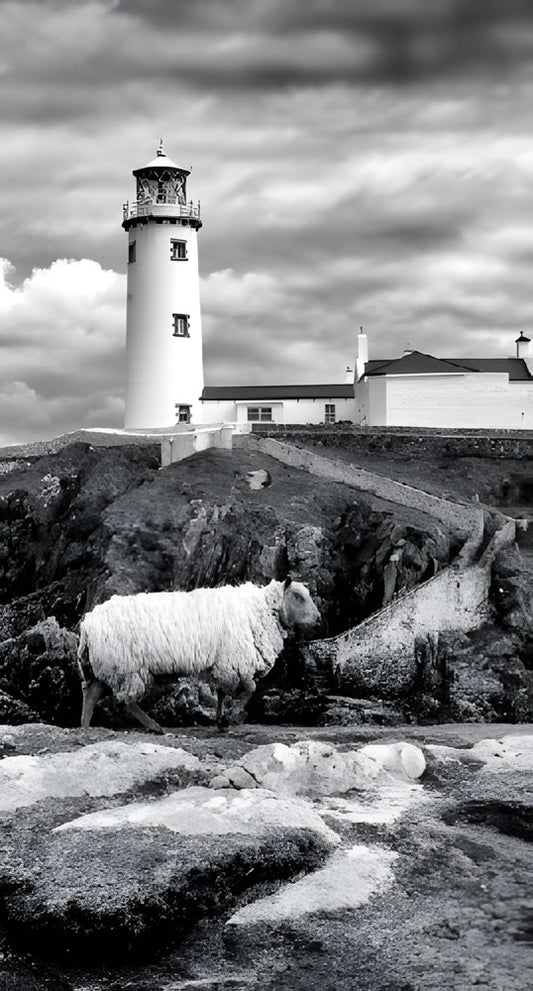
(260, 392)
(515, 367)
(417, 363)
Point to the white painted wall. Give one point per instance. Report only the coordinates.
(178, 446)
(162, 370)
(291, 411)
(377, 402)
(477, 400)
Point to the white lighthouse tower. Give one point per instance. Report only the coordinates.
(164, 371)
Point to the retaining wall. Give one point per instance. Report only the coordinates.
(381, 652)
(180, 445)
(406, 442)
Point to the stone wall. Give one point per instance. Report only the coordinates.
(407, 441)
(181, 444)
(380, 654)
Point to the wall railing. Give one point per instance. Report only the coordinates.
(147, 208)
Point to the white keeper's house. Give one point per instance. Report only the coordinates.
(164, 362)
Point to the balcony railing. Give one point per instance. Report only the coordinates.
(144, 208)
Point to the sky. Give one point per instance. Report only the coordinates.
(359, 163)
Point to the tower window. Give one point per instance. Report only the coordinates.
(180, 324)
(260, 414)
(183, 413)
(329, 413)
(178, 250)
(132, 252)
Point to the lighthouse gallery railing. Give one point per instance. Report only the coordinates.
(147, 208)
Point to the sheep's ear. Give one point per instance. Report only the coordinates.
(288, 580)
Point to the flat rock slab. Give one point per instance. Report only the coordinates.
(102, 897)
(122, 883)
(347, 881)
(99, 769)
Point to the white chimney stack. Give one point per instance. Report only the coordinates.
(362, 354)
(348, 377)
(522, 351)
(522, 346)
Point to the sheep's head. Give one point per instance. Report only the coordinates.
(298, 612)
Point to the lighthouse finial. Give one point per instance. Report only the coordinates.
(160, 151)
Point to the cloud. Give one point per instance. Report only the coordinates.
(286, 42)
(73, 61)
(61, 350)
(358, 163)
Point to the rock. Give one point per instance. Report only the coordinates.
(347, 881)
(260, 479)
(200, 811)
(125, 882)
(487, 679)
(15, 712)
(409, 879)
(39, 666)
(312, 768)
(107, 768)
(401, 758)
(340, 710)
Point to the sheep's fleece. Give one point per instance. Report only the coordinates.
(225, 635)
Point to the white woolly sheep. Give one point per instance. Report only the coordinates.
(227, 636)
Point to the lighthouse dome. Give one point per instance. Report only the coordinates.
(161, 161)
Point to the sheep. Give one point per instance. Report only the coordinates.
(227, 636)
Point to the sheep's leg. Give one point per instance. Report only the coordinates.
(222, 721)
(91, 693)
(142, 717)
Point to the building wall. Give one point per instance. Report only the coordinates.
(218, 411)
(377, 401)
(486, 400)
(283, 411)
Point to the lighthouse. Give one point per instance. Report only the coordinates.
(164, 371)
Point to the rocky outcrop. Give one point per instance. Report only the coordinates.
(266, 860)
(399, 654)
(84, 523)
(39, 676)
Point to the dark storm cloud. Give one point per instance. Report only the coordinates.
(283, 43)
(89, 60)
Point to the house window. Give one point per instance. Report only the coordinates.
(329, 415)
(132, 252)
(183, 413)
(178, 250)
(180, 324)
(260, 414)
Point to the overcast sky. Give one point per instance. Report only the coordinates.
(359, 162)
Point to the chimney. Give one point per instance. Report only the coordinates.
(362, 354)
(522, 346)
(348, 376)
